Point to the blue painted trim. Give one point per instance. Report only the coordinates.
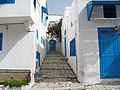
(42, 41)
(37, 34)
(44, 10)
(7, 1)
(89, 11)
(1, 41)
(91, 5)
(104, 2)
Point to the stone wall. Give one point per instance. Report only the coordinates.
(8, 74)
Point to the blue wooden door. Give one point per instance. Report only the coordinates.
(109, 47)
(52, 45)
(65, 46)
(37, 59)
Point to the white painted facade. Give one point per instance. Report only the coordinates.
(52, 19)
(18, 23)
(86, 63)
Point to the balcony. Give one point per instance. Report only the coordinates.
(18, 12)
(103, 9)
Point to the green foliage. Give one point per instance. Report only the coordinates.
(14, 83)
(1, 82)
(55, 32)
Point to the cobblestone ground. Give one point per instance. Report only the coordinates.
(56, 74)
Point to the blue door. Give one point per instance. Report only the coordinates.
(52, 45)
(37, 59)
(65, 46)
(109, 48)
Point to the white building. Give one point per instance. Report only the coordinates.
(92, 39)
(52, 21)
(22, 34)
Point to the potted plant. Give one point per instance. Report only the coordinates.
(14, 85)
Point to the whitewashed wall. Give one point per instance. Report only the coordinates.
(18, 48)
(42, 29)
(88, 54)
(70, 25)
(54, 17)
(17, 13)
(86, 64)
(63, 28)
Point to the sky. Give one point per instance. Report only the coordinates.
(57, 6)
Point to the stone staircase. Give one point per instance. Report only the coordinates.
(55, 68)
(56, 74)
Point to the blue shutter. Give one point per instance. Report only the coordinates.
(7, 1)
(10, 1)
(2, 1)
(72, 48)
(1, 41)
(34, 3)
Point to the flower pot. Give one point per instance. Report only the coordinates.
(26, 87)
(2, 87)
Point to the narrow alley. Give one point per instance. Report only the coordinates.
(56, 74)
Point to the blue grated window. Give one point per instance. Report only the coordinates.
(7, 1)
(109, 11)
(72, 48)
(1, 41)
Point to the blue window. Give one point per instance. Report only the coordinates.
(42, 41)
(37, 34)
(37, 59)
(72, 48)
(35, 4)
(1, 41)
(109, 11)
(64, 32)
(7, 1)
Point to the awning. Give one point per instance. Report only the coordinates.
(45, 10)
(91, 5)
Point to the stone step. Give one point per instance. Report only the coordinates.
(58, 86)
(54, 56)
(57, 74)
(61, 57)
(58, 80)
(54, 62)
(55, 66)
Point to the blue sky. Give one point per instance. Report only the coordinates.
(57, 6)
